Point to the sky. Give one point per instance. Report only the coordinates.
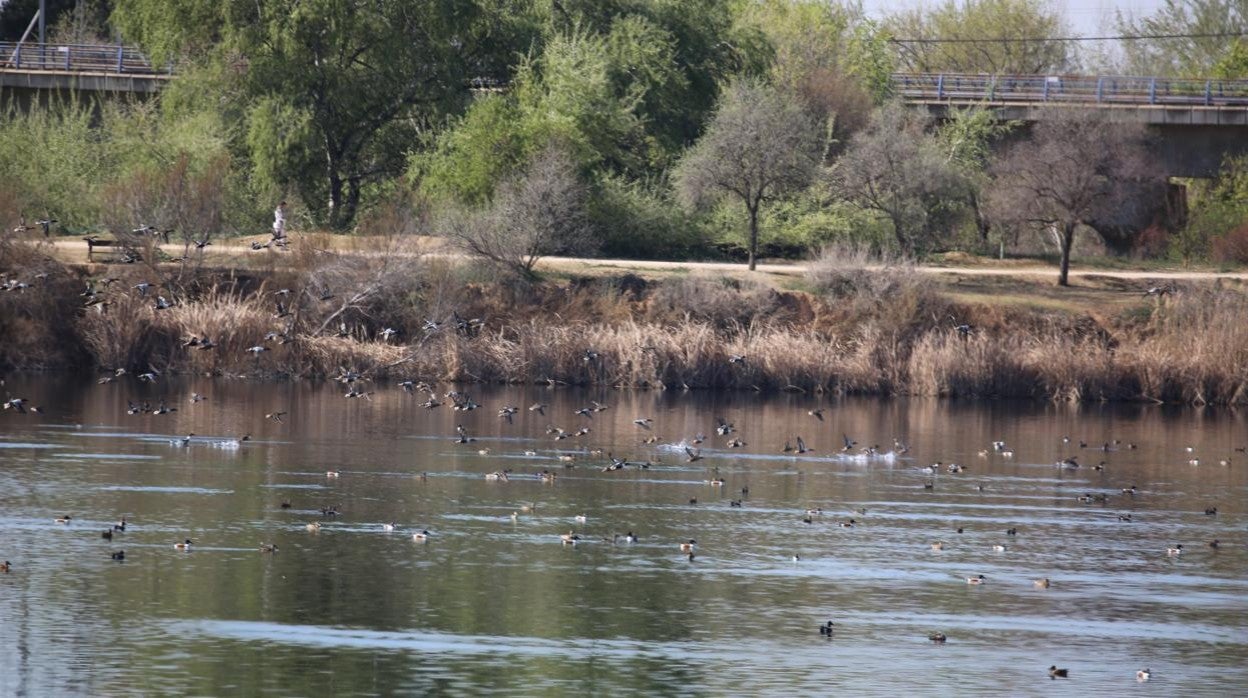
(1086, 17)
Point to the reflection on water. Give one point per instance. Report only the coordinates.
(494, 602)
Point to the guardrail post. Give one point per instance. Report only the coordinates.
(940, 87)
(1208, 92)
(68, 51)
(992, 88)
(1152, 91)
(120, 55)
(1046, 89)
(1100, 89)
(17, 56)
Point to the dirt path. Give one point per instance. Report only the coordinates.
(76, 251)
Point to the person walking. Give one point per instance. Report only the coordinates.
(279, 222)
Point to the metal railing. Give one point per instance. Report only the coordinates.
(950, 87)
(77, 58)
(1071, 88)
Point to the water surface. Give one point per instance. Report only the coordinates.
(493, 603)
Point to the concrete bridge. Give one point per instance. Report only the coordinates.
(33, 72)
(1196, 123)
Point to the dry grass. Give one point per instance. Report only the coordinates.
(880, 331)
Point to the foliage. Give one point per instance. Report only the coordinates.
(1195, 50)
(811, 40)
(759, 145)
(982, 19)
(815, 218)
(85, 23)
(639, 220)
(871, 59)
(15, 16)
(1233, 65)
(346, 86)
(897, 169)
(471, 157)
(539, 212)
(86, 154)
(171, 29)
(968, 137)
(1217, 208)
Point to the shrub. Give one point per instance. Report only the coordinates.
(1232, 246)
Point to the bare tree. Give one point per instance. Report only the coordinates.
(898, 169)
(1077, 167)
(760, 144)
(540, 212)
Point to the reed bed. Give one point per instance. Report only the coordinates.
(882, 333)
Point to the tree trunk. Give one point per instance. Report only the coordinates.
(753, 234)
(335, 197)
(352, 202)
(1067, 240)
(982, 223)
(898, 232)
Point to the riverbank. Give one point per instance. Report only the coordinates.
(837, 328)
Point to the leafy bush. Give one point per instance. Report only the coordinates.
(637, 221)
(123, 164)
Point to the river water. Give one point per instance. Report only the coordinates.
(492, 603)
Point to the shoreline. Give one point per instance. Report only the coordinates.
(847, 329)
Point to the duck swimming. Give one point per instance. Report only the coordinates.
(64, 519)
(826, 629)
(1055, 673)
(937, 637)
(184, 545)
(688, 547)
(976, 580)
(1042, 583)
(570, 538)
(420, 536)
(1143, 675)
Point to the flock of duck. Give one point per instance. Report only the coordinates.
(689, 448)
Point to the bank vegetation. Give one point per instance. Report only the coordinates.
(848, 330)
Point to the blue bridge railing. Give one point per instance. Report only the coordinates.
(76, 58)
(950, 87)
(1070, 88)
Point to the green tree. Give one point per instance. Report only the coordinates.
(1217, 207)
(895, 168)
(709, 45)
(760, 144)
(810, 41)
(967, 138)
(872, 60)
(345, 87)
(1199, 46)
(975, 26)
(1234, 63)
